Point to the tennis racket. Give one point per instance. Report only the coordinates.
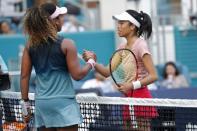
(123, 66)
(123, 69)
(26, 109)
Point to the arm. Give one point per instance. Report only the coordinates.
(98, 67)
(72, 61)
(105, 71)
(102, 70)
(152, 75)
(26, 68)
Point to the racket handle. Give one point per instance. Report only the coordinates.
(25, 105)
(136, 85)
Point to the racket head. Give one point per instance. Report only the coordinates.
(123, 66)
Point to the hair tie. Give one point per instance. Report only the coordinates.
(141, 15)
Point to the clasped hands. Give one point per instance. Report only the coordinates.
(124, 87)
(89, 57)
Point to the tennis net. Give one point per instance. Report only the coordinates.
(113, 114)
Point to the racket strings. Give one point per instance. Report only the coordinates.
(123, 64)
(129, 66)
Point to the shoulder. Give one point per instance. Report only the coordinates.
(141, 47)
(68, 43)
(142, 43)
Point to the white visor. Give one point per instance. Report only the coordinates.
(58, 11)
(126, 16)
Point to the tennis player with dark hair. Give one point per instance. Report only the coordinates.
(55, 61)
(133, 25)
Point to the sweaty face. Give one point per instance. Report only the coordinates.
(124, 28)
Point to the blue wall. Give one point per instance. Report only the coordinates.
(101, 42)
(9, 46)
(186, 49)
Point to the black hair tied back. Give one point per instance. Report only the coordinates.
(146, 25)
(144, 19)
(141, 16)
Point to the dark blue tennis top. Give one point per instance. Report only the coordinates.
(52, 77)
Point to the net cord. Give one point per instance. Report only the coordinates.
(117, 100)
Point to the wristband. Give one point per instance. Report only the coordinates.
(91, 62)
(25, 105)
(136, 85)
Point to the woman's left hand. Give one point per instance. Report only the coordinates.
(125, 87)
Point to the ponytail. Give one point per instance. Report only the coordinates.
(146, 25)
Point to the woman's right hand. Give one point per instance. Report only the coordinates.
(89, 55)
(27, 118)
(26, 111)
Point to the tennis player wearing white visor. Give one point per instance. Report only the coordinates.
(55, 61)
(132, 25)
(56, 14)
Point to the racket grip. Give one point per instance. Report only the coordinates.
(25, 105)
(91, 62)
(136, 85)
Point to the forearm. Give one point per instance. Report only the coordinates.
(152, 74)
(102, 70)
(24, 82)
(148, 80)
(82, 72)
